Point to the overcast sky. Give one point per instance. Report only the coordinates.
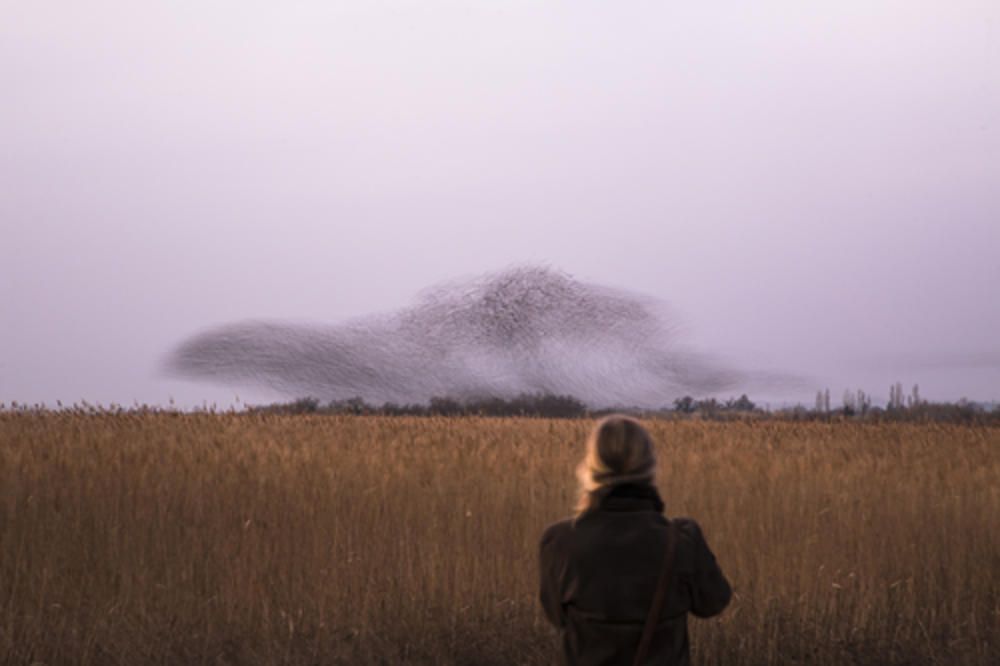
(813, 187)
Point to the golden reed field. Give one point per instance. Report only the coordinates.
(164, 538)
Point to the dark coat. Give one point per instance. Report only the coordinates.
(599, 573)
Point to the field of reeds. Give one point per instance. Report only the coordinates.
(164, 538)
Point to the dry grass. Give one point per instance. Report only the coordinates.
(238, 539)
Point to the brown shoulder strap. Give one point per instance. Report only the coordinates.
(659, 598)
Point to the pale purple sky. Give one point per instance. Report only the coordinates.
(813, 187)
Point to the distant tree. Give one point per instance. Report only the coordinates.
(708, 407)
(896, 396)
(445, 407)
(742, 404)
(685, 405)
(557, 406)
(863, 402)
(850, 407)
(304, 406)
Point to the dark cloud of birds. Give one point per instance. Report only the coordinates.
(522, 330)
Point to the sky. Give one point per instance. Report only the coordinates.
(812, 188)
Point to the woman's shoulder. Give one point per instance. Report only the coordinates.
(556, 531)
(689, 527)
(557, 542)
(693, 551)
(689, 533)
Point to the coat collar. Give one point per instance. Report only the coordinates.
(631, 497)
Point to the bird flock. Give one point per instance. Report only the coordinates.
(526, 329)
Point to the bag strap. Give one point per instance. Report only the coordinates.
(659, 598)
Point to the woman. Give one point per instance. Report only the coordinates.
(601, 569)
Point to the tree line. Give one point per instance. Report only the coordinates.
(854, 405)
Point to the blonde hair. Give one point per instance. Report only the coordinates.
(619, 450)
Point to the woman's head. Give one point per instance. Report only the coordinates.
(619, 450)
